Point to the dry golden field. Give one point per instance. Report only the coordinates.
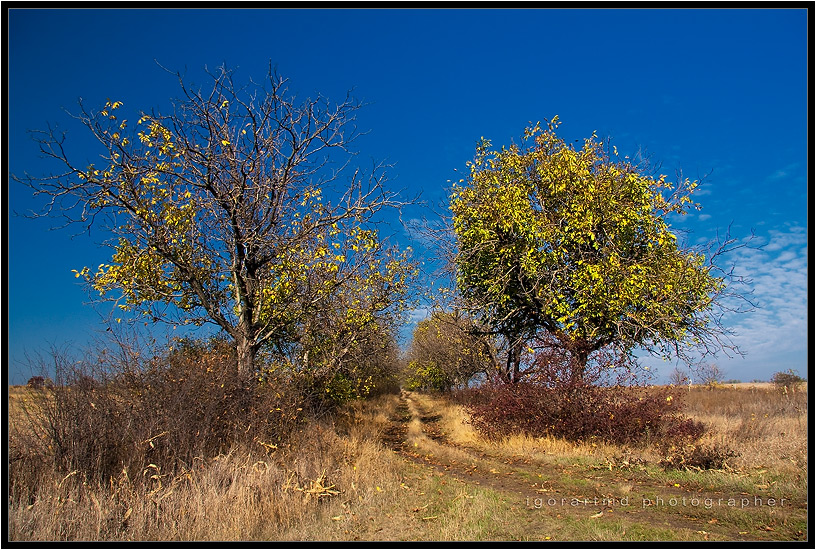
(410, 467)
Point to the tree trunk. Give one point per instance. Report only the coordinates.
(517, 363)
(580, 359)
(246, 357)
(512, 371)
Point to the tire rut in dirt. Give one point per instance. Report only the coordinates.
(431, 428)
(394, 436)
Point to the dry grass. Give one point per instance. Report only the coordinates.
(766, 425)
(416, 436)
(456, 427)
(240, 495)
(337, 481)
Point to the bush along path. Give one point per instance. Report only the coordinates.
(614, 498)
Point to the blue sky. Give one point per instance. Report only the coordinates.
(720, 91)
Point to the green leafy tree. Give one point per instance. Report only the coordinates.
(575, 243)
(353, 362)
(427, 376)
(238, 208)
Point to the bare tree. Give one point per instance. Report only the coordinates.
(709, 373)
(678, 377)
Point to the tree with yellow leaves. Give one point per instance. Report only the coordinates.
(446, 351)
(239, 208)
(571, 247)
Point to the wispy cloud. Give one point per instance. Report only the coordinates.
(774, 336)
(783, 173)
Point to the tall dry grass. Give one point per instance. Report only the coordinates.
(131, 445)
(455, 424)
(766, 425)
(334, 480)
(242, 494)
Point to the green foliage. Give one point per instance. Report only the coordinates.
(340, 389)
(576, 242)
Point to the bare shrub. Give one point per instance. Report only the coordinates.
(603, 399)
(678, 377)
(121, 409)
(700, 457)
(247, 493)
(39, 382)
(709, 373)
(786, 379)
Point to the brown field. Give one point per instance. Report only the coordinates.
(410, 467)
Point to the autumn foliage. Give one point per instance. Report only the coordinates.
(238, 207)
(575, 242)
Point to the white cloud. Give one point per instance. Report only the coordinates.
(417, 315)
(774, 336)
(795, 235)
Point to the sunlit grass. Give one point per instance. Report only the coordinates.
(339, 481)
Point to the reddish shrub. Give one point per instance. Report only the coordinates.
(579, 411)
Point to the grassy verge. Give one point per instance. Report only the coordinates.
(756, 496)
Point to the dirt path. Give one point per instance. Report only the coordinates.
(561, 491)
